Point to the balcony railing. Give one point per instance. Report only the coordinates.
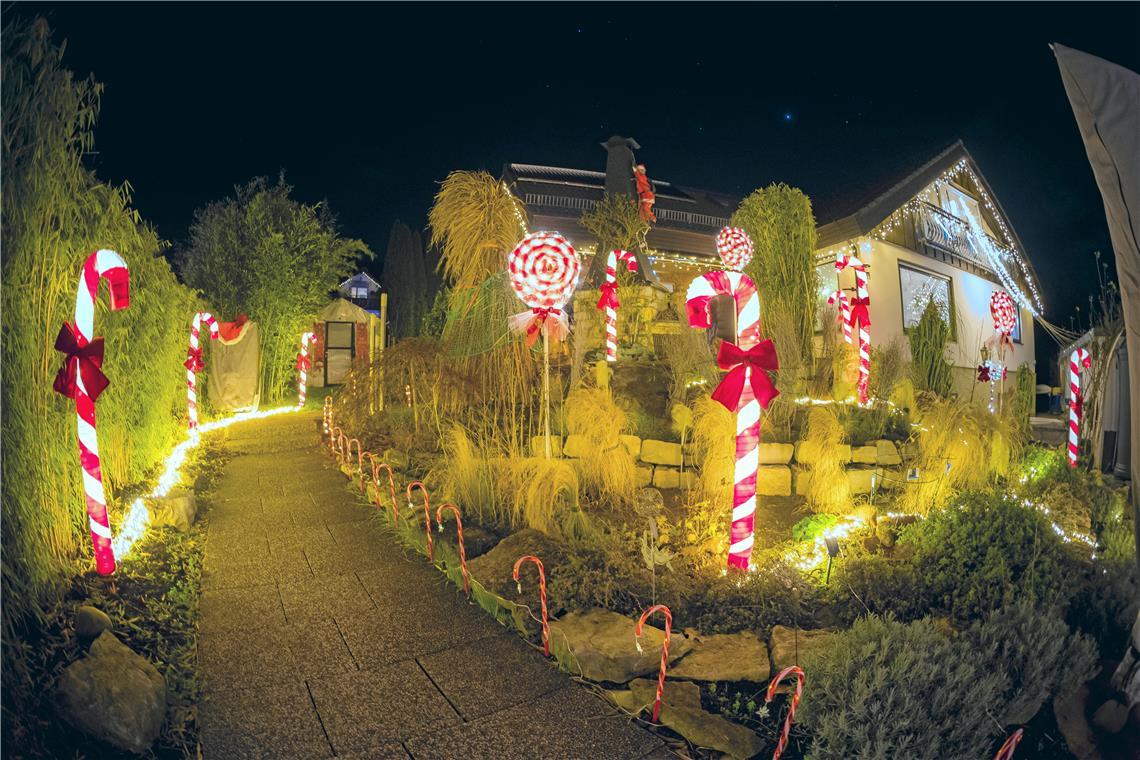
(587, 204)
(940, 229)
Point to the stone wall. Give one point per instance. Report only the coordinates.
(782, 471)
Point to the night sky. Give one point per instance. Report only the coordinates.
(369, 106)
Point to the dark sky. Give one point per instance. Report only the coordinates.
(370, 105)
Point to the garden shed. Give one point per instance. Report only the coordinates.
(345, 335)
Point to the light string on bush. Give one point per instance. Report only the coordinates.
(609, 299)
(194, 363)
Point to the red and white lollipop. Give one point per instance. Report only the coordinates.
(734, 247)
(543, 270)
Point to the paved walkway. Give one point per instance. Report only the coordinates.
(321, 637)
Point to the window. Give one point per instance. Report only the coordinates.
(918, 288)
(826, 283)
(360, 291)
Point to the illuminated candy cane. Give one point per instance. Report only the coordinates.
(541, 593)
(1078, 360)
(328, 415)
(609, 300)
(860, 312)
(1005, 752)
(81, 378)
(359, 459)
(302, 367)
(194, 363)
(459, 531)
(782, 744)
(843, 316)
(745, 390)
(664, 650)
(427, 515)
(376, 466)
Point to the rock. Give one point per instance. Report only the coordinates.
(681, 711)
(90, 622)
(776, 453)
(538, 446)
(113, 694)
(632, 444)
(1111, 716)
(887, 454)
(648, 502)
(576, 446)
(495, 568)
(666, 477)
(801, 480)
(774, 480)
(859, 480)
(1069, 712)
(599, 645)
(625, 699)
(478, 541)
(806, 452)
(725, 657)
(643, 476)
(176, 510)
(864, 454)
(661, 452)
(790, 646)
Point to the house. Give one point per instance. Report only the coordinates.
(362, 290)
(936, 231)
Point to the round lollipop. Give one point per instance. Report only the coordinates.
(1004, 312)
(543, 270)
(734, 247)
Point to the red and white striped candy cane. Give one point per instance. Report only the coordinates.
(843, 316)
(609, 300)
(743, 291)
(82, 380)
(1078, 360)
(303, 364)
(1005, 752)
(860, 312)
(328, 415)
(541, 593)
(427, 515)
(664, 650)
(459, 531)
(194, 363)
(782, 744)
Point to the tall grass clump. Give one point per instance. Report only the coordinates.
(928, 339)
(607, 469)
(714, 444)
(828, 488)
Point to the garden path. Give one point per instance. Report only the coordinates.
(321, 637)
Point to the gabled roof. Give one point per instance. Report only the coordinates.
(365, 275)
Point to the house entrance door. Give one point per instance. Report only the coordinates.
(340, 348)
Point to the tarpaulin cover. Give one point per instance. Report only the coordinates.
(233, 365)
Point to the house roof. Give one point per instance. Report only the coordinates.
(365, 275)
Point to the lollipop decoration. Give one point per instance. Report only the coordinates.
(194, 363)
(746, 389)
(1078, 360)
(81, 378)
(859, 313)
(609, 300)
(1004, 313)
(543, 270)
(302, 366)
(734, 247)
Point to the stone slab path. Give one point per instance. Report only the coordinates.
(321, 637)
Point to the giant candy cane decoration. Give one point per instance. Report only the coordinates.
(81, 378)
(860, 312)
(843, 316)
(609, 300)
(303, 364)
(194, 363)
(1078, 360)
(745, 390)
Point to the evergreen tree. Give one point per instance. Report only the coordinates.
(405, 280)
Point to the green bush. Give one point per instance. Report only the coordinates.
(928, 341)
(986, 550)
(887, 689)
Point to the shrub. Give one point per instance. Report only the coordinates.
(890, 689)
(986, 550)
(607, 469)
(931, 371)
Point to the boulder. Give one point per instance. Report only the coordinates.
(661, 452)
(576, 446)
(774, 480)
(776, 453)
(666, 477)
(632, 444)
(1111, 716)
(600, 645)
(643, 476)
(859, 480)
(478, 541)
(864, 454)
(801, 478)
(681, 711)
(725, 657)
(177, 510)
(90, 622)
(1069, 712)
(806, 452)
(495, 569)
(789, 646)
(114, 695)
(887, 454)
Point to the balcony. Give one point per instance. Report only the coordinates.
(941, 230)
(582, 205)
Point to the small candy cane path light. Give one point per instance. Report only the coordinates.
(459, 531)
(664, 649)
(1009, 745)
(372, 459)
(342, 446)
(359, 459)
(860, 313)
(782, 744)
(194, 364)
(745, 390)
(543, 270)
(541, 594)
(334, 439)
(302, 366)
(1078, 360)
(427, 514)
(81, 378)
(609, 300)
(376, 467)
(328, 415)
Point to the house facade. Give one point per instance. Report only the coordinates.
(362, 290)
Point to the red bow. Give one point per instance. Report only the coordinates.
(1086, 362)
(859, 312)
(303, 363)
(983, 373)
(761, 358)
(535, 327)
(1078, 404)
(194, 361)
(609, 296)
(82, 356)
